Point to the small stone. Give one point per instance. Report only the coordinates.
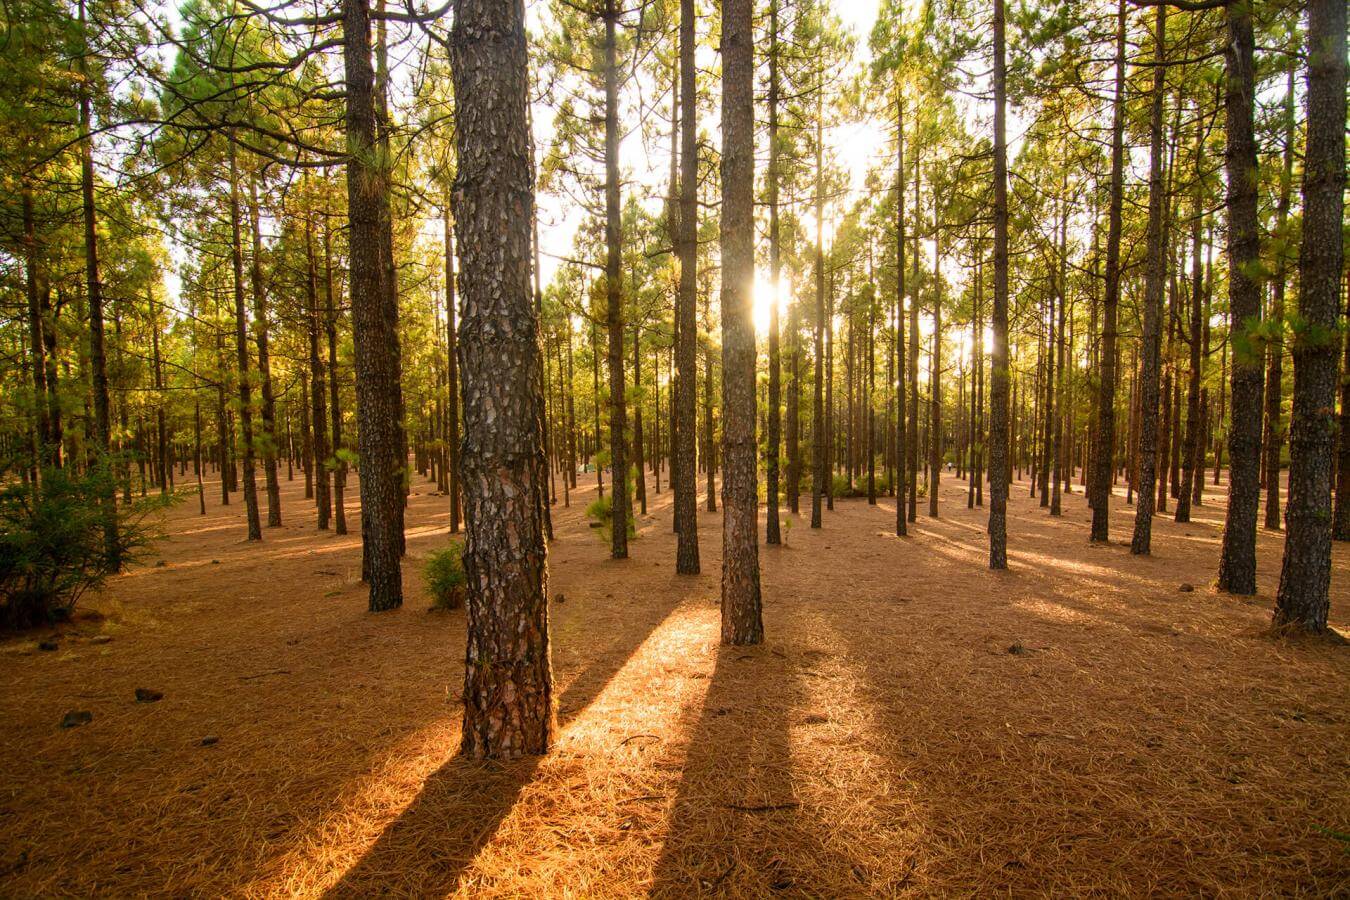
(48, 645)
(101, 639)
(1186, 587)
(1017, 649)
(816, 719)
(147, 695)
(561, 598)
(159, 564)
(76, 717)
(210, 740)
(215, 562)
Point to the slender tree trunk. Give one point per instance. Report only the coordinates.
(242, 360)
(334, 397)
(998, 371)
(1237, 564)
(508, 683)
(618, 412)
(818, 435)
(1305, 575)
(322, 498)
(684, 478)
(1274, 436)
(1154, 278)
(102, 430)
(269, 415)
(1191, 451)
(374, 325)
(771, 449)
(900, 479)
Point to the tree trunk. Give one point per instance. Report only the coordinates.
(684, 477)
(508, 683)
(1237, 564)
(269, 415)
(900, 480)
(618, 412)
(741, 619)
(998, 368)
(1154, 281)
(1305, 576)
(374, 325)
(245, 389)
(771, 526)
(322, 498)
(1274, 436)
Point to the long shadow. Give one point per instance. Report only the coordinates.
(743, 822)
(428, 848)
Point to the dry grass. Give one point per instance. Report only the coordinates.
(883, 741)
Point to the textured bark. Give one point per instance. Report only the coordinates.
(322, 497)
(1191, 449)
(998, 363)
(1305, 575)
(1274, 433)
(639, 450)
(771, 449)
(1154, 282)
(741, 619)
(684, 478)
(374, 325)
(818, 435)
(1104, 421)
(452, 372)
(98, 364)
(1237, 563)
(334, 398)
(618, 411)
(508, 685)
(935, 374)
(269, 413)
(912, 450)
(899, 480)
(245, 389)
(1340, 529)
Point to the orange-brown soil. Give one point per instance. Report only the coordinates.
(883, 740)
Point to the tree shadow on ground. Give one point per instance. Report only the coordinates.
(427, 850)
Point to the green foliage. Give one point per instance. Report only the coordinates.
(445, 577)
(53, 547)
(601, 511)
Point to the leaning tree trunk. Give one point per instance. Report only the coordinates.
(1237, 564)
(508, 682)
(1155, 276)
(1305, 576)
(374, 326)
(741, 619)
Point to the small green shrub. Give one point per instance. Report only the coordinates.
(53, 547)
(445, 576)
(601, 512)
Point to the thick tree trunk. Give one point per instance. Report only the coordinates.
(741, 618)
(508, 683)
(1305, 575)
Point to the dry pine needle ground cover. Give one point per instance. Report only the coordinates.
(914, 723)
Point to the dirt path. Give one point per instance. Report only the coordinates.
(1141, 739)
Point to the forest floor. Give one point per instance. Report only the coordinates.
(1080, 724)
